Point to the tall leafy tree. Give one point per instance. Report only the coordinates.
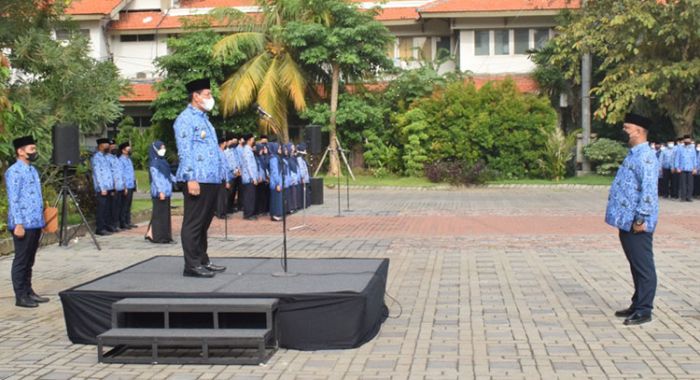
(337, 37)
(270, 75)
(648, 49)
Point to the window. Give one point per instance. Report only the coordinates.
(406, 48)
(501, 42)
(522, 40)
(137, 37)
(541, 38)
(442, 47)
(427, 49)
(481, 42)
(67, 34)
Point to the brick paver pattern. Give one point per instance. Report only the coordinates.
(490, 283)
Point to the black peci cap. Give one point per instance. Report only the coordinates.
(198, 84)
(23, 141)
(639, 120)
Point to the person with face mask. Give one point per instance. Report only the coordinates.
(162, 180)
(686, 167)
(235, 167)
(275, 185)
(633, 208)
(25, 219)
(200, 172)
(666, 159)
(226, 178)
(675, 175)
(305, 178)
(119, 185)
(129, 186)
(103, 182)
(249, 177)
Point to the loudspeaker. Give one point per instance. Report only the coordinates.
(312, 136)
(66, 144)
(316, 191)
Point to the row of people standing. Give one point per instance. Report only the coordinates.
(114, 183)
(679, 177)
(257, 172)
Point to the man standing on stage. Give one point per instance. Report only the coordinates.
(633, 207)
(25, 219)
(104, 185)
(200, 171)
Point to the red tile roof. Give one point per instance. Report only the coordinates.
(398, 14)
(91, 7)
(216, 3)
(524, 83)
(451, 6)
(140, 93)
(150, 20)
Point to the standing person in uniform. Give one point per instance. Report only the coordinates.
(675, 176)
(696, 186)
(633, 207)
(249, 177)
(162, 180)
(275, 170)
(200, 172)
(129, 184)
(103, 182)
(226, 178)
(305, 178)
(235, 167)
(666, 164)
(25, 219)
(261, 186)
(119, 185)
(686, 160)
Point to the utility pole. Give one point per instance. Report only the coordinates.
(585, 107)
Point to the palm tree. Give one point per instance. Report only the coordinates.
(270, 76)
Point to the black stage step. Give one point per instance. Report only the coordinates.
(155, 330)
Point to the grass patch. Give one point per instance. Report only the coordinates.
(583, 180)
(389, 180)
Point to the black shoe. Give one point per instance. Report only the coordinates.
(132, 226)
(171, 241)
(624, 313)
(37, 298)
(26, 302)
(251, 218)
(113, 230)
(124, 228)
(215, 268)
(637, 319)
(103, 233)
(198, 272)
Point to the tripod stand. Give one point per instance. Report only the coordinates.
(62, 197)
(340, 149)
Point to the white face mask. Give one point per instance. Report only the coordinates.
(670, 145)
(208, 104)
(698, 148)
(161, 152)
(663, 148)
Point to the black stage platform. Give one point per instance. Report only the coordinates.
(331, 304)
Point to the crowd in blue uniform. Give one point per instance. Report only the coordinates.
(679, 173)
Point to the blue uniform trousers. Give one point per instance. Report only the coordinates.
(639, 251)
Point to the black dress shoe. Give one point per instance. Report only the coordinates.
(637, 319)
(215, 268)
(251, 218)
(198, 272)
(38, 299)
(103, 233)
(26, 302)
(132, 226)
(624, 313)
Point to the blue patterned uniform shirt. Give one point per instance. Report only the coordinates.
(634, 192)
(25, 203)
(275, 173)
(101, 173)
(249, 166)
(667, 158)
(686, 158)
(197, 147)
(232, 159)
(226, 172)
(160, 183)
(128, 170)
(303, 169)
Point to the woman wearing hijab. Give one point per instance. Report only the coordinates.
(293, 179)
(162, 180)
(261, 186)
(275, 162)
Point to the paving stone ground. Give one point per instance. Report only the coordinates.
(483, 283)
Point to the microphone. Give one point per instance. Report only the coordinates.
(262, 112)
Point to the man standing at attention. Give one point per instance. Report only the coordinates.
(200, 171)
(25, 219)
(633, 207)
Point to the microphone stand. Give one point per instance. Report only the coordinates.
(285, 265)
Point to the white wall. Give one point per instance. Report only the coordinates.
(135, 5)
(135, 57)
(490, 64)
(99, 48)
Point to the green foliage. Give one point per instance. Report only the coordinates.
(140, 140)
(558, 151)
(648, 50)
(606, 155)
(414, 133)
(381, 158)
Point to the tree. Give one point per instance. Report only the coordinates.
(336, 36)
(270, 75)
(649, 50)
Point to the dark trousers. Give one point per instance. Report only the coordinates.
(276, 208)
(665, 183)
(696, 186)
(236, 191)
(25, 253)
(161, 226)
(248, 199)
(293, 197)
(262, 198)
(222, 201)
(686, 186)
(639, 251)
(127, 200)
(103, 215)
(117, 201)
(675, 184)
(307, 193)
(199, 212)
